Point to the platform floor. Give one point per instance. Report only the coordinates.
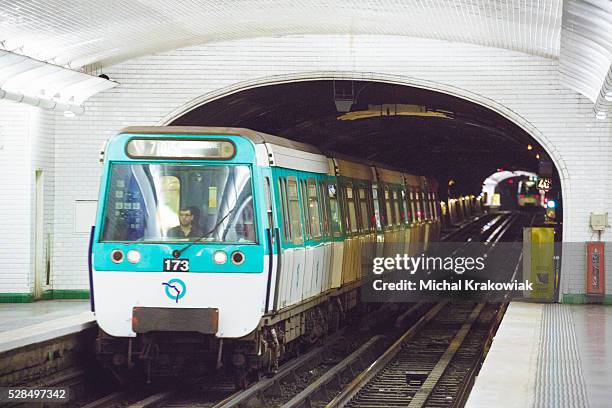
(548, 356)
(22, 324)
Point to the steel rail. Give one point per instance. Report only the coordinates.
(420, 398)
(362, 379)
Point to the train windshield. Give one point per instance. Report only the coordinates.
(528, 187)
(166, 202)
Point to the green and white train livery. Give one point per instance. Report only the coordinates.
(227, 234)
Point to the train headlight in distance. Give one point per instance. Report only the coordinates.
(551, 204)
(220, 257)
(117, 256)
(237, 257)
(133, 256)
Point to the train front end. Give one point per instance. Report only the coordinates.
(176, 248)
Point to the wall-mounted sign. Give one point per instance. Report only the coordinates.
(595, 284)
(544, 183)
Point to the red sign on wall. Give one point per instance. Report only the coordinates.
(595, 284)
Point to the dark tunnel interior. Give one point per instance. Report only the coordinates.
(422, 131)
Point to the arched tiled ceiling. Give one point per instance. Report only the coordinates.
(84, 32)
(87, 33)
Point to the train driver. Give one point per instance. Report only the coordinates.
(186, 227)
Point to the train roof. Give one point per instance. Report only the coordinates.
(255, 136)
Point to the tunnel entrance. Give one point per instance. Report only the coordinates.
(459, 142)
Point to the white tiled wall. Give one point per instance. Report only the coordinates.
(523, 87)
(26, 145)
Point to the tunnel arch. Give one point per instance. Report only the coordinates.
(400, 80)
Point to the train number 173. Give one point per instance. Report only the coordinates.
(176, 265)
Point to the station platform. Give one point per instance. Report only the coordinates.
(22, 324)
(548, 355)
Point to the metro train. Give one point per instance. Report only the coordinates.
(456, 211)
(273, 236)
(528, 194)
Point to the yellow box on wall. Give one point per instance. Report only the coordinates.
(539, 262)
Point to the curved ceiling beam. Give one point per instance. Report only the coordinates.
(585, 59)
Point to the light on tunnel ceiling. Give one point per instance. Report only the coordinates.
(551, 204)
(529, 147)
(69, 114)
(601, 115)
(451, 182)
(538, 156)
(343, 105)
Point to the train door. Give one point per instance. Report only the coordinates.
(294, 197)
(368, 238)
(272, 239)
(405, 220)
(326, 235)
(380, 238)
(351, 261)
(292, 259)
(309, 241)
(336, 213)
(316, 244)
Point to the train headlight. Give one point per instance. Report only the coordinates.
(220, 257)
(237, 257)
(133, 256)
(117, 256)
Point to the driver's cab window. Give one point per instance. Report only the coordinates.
(168, 210)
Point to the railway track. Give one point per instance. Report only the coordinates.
(440, 332)
(432, 367)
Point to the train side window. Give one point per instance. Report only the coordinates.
(388, 207)
(313, 209)
(396, 207)
(350, 201)
(432, 212)
(413, 215)
(294, 210)
(377, 214)
(434, 197)
(363, 204)
(268, 193)
(324, 200)
(304, 197)
(419, 205)
(334, 210)
(426, 205)
(282, 183)
(170, 201)
(404, 207)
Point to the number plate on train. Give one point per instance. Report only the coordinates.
(176, 265)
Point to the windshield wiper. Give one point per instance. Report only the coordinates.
(177, 252)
